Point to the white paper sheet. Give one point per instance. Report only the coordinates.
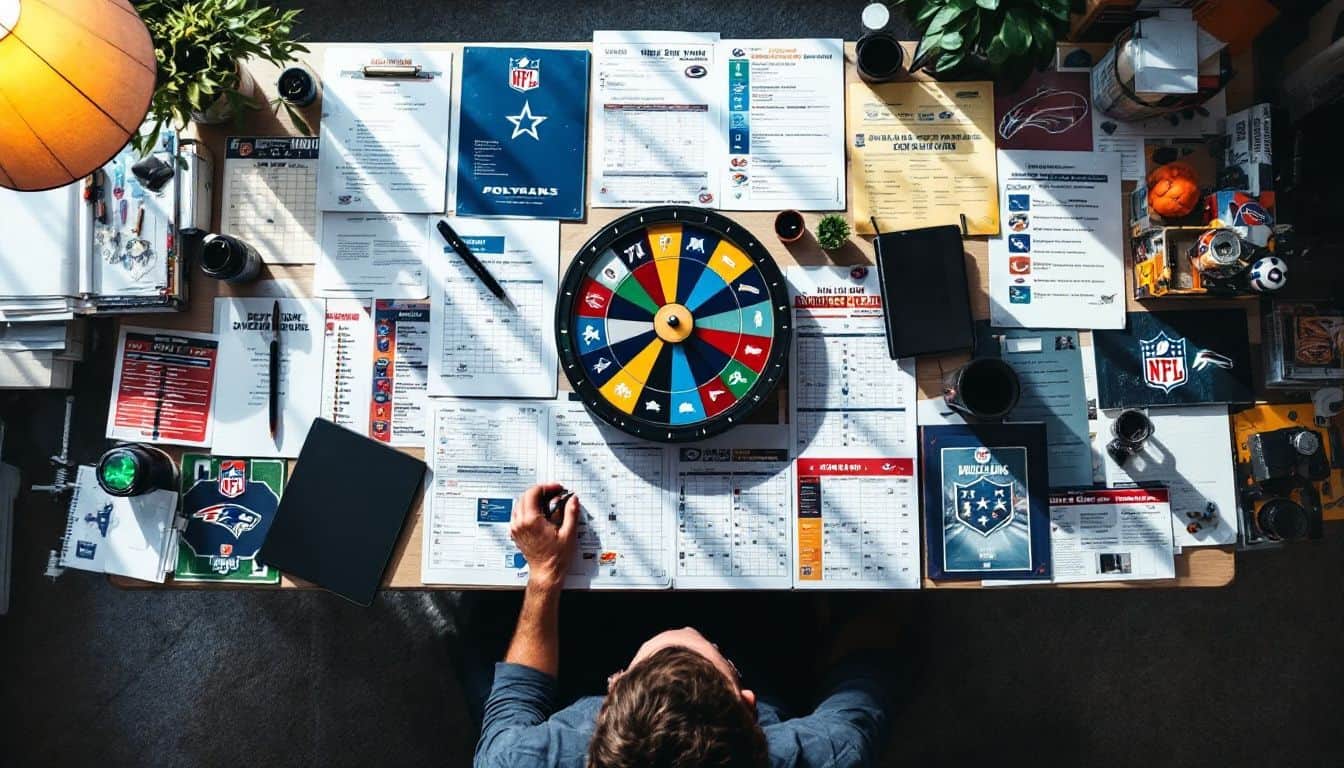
(480, 346)
(655, 121)
(482, 456)
(270, 196)
(372, 255)
(384, 140)
(785, 124)
(1110, 535)
(1190, 452)
(734, 511)
(857, 523)
(1059, 262)
(242, 423)
(627, 534)
(845, 391)
(347, 364)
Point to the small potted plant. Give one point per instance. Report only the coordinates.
(1000, 40)
(200, 46)
(832, 232)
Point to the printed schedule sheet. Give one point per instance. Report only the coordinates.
(856, 502)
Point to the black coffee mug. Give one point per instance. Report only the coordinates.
(1130, 430)
(878, 56)
(985, 389)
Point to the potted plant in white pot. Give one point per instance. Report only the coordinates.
(200, 46)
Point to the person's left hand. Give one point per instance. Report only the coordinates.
(547, 547)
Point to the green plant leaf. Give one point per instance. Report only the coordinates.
(949, 61)
(941, 19)
(951, 41)
(997, 51)
(929, 45)
(1014, 33)
(989, 5)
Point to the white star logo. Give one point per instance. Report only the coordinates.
(533, 122)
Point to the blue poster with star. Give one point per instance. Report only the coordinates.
(985, 501)
(522, 133)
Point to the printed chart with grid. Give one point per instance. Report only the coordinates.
(839, 405)
(870, 529)
(478, 339)
(270, 205)
(733, 524)
(503, 455)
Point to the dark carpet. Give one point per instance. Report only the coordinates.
(1248, 676)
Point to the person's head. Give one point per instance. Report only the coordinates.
(679, 702)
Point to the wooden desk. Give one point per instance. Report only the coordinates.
(1203, 567)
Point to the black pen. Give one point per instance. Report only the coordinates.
(462, 250)
(275, 372)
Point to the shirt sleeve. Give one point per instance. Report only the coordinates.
(520, 701)
(848, 728)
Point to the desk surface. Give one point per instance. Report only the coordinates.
(1200, 567)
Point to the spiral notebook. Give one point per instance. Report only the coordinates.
(132, 537)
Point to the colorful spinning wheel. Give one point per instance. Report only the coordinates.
(673, 323)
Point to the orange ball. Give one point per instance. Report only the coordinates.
(1173, 190)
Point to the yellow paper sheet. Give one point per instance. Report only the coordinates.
(922, 154)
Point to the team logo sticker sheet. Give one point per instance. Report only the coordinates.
(1175, 358)
(673, 323)
(228, 504)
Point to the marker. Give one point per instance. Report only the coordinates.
(557, 504)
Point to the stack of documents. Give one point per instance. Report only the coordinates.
(40, 355)
(57, 259)
(132, 537)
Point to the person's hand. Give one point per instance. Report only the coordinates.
(548, 547)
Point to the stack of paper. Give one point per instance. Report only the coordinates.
(40, 355)
(131, 537)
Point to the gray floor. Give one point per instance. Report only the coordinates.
(1246, 676)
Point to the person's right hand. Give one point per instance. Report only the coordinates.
(547, 547)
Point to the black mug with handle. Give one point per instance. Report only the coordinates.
(985, 389)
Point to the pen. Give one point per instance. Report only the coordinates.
(557, 504)
(462, 250)
(275, 372)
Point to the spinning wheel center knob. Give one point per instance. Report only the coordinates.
(673, 323)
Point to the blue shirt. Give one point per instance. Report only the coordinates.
(521, 728)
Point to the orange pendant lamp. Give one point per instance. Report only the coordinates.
(76, 77)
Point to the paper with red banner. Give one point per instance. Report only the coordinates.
(1111, 534)
(163, 387)
(857, 523)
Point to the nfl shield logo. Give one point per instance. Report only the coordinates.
(1163, 360)
(524, 74)
(232, 478)
(984, 506)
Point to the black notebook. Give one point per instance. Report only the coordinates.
(924, 293)
(342, 511)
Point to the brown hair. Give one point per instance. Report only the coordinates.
(675, 709)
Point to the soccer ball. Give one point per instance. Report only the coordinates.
(1268, 274)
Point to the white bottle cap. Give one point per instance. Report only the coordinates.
(876, 16)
